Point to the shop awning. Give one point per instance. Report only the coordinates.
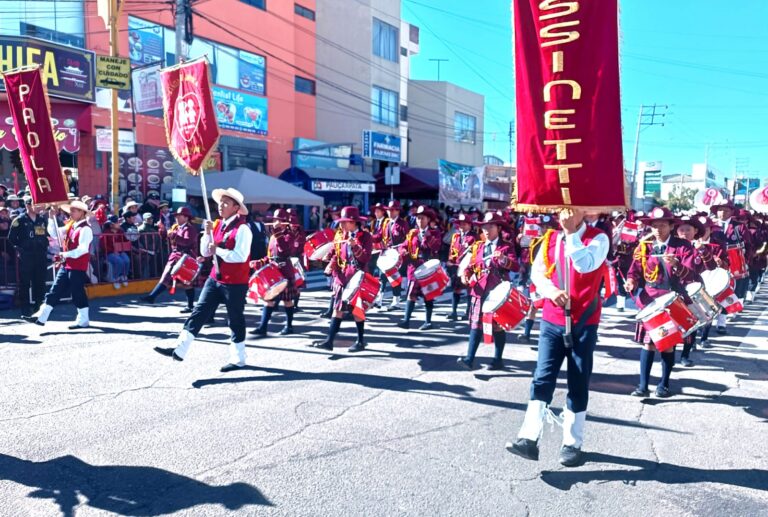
(330, 180)
(255, 187)
(415, 183)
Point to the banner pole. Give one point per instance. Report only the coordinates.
(205, 195)
(114, 51)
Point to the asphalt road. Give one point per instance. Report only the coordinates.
(93, 422)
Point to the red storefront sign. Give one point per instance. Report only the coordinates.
(65, 120)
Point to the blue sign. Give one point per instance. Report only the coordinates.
(145, 42)
(251, 72)
(240, 111)
(381, 146)
(320, 155)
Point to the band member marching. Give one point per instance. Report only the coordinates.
(299, 239)
(712, 249)
(351, 253)
(662, 263)
(73, 261)
(461, 241)
(183, 239)
(421, 244)
(279, 251)
(491, 260)
(572, 258)
(393, 232)
(228, 241)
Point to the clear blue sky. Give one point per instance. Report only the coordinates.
(705, 60)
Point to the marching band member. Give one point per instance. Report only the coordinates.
(351, 253)
(228, 241)
(461, 241)
(527, 257)
(662, 263)
(758, 260)
(279, 251)
(690, 229)
(573, 258)
(76, 238)
(376, 228)
(183, 240)
(299, 239)
(421, 244)
(393, 234)
(491, 261)
(712, 249)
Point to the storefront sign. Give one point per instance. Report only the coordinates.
(113, 72)
(251, 72)
(148, 170)
(67, 71)
(240, 111)
(343, 186)
(381, 146)
(320, 155)
(126, 142)
(64, 132)
(147, 92)
(145, 42)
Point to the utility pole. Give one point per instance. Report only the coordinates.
(183, 10)
(511, 139)
(113, 15)
(646, 118)
(438, 61)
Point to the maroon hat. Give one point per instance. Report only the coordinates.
(378, 206)
(394, 205)
(279, 216)
(293, 219)
(462, 218)
(693, 221)
(659, 213)
(426, 211)
(492, 218)
(727, 204)
(743, 215)
(183, 210)
(351, 214)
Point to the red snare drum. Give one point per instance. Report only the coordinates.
(737, 262)
(432, 279)
(531, 228)
(267, 283)
(463, 265)
(536, 299)
(659, 324)
(361, 290)
(319, 244)
(629, 232)
(377, 247)
(717, 283)
(389, 263)
(683, 316)
(508, 305)
(298, 272)
(185, 269)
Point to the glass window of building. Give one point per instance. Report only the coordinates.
(309, 14)
(386, 40)
(61, 21)
(464, 127)
(384, 106)
(305, 85)
(261, 4)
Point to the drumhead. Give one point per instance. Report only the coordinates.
(388, 259)
(179, 264)
(322, 251)
(655, 306)
(296, 263)
(464, 264)
(352, 286)
(716, 280)
(497, 297)
(693, 288)
(426, 269)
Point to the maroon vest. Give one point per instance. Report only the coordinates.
(71, 242)
(231, 272)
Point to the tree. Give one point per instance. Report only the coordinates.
(681, 198)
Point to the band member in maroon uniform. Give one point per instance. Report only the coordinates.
(299, 239)
(573, 258)
(183, 240)
(228, 241)
(393, 234)
(461, 241)
(351, 253)
(279, 251)
(73, 260)
(491, 260)
(712, 248)
(662, 263)
(421, 244)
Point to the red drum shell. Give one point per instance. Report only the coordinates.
(185, 269)
(663, 330)
(389, 262)
(508, 305)
(718, 284)
(319, 244)
(364, 285)
(267, 282)
(683, 316)
(737, 263)
(432, 279)
(298, 276)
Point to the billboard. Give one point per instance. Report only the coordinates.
(240, 111)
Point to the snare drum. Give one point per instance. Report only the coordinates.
(717, 282)
(185, 269)
(737, 264)
(508, 305)
(298, 272)
(531, 227)
(389, 263)
(703, 305)
(463, 265)
(658, 323)
(319, 244)
(361, 290)
(629, 232)
(683, 316)
(432, 279)
(267, 282)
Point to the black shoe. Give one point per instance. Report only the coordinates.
(640, 393)
(31, 319)
(75, 326)
(662, 392)
(524, 339)
(463, 363)
(324, 345)
(210, 324)
(359, 346)
(686, 362)
(496, 365)
(258, 331)
(465, 317)
(326, 314)
(452, 317)
(426, 326)
(229, 367)
(721, 331)
(296, 309)
(524, 448)
(404, 324)
(168, 352)
(186, 310)
(286, 331)
(147, 299)
(571, 456)
(620, 309)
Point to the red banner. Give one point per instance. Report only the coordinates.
(568, 113)
(30, 111)
(190, 119)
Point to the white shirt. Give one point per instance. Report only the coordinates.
(83, 242)
(585, 259)
(242, 249)
(493, 244)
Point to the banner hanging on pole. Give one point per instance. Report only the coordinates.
(30, 111)
(190, 118)
(568, 112)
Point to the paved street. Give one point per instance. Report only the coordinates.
(95, 423)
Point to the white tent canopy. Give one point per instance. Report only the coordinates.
(255, 187)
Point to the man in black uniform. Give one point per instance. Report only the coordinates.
(29, 235)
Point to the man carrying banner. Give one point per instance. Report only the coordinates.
(228, 240)
(76, 237)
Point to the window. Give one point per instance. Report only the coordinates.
(261, 4)
(309, 14)
(464, 127)
(384, 106)
(386, 41)
(403, 113)
(304, 85)
(403, 51)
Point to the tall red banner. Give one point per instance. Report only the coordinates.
(568, 113)
(190, 119)
(30, 111)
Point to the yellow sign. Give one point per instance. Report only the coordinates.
(113, 72)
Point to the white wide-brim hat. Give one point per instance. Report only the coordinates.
(75, 204)
(232, 194)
